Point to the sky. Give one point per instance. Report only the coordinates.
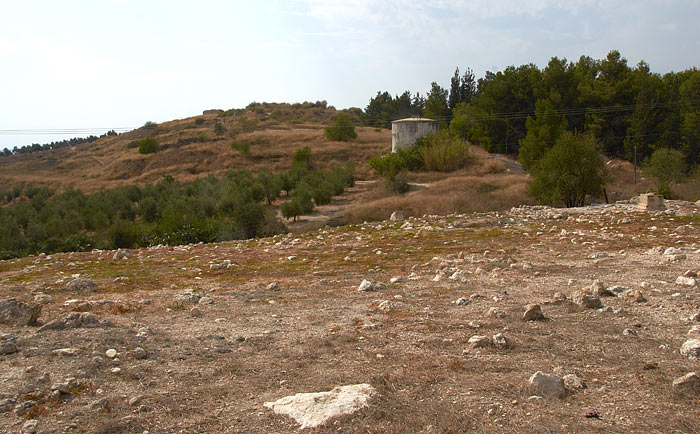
(72, 68)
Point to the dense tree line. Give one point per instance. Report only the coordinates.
(624, 108)
(235, 206)
(53, 145)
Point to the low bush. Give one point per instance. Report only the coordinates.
(342, 130)
(149, 145)
(443, 153)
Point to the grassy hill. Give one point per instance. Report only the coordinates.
(190, 148)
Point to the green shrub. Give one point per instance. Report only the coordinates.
(667, 168)
(342, 130)
(242, 147)
(392, 167)
(199, 121)
(149, 145)
(569, 171)
(132, 144)
(442, 153)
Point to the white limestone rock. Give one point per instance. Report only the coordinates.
(313, 409)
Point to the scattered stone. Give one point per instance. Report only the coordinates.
(313, 409)
(122, 254)
(136, 400)
(82, 284)
(323, 282)
(15, 312)
(272, 286)
(617, 289)
(598, 289)
(548, 385)
(558, 298)
(689, 384)
(8, 343)
(7, 404)
(386, 306)
(634, 295)
(366, 285)
(111, 353)
(394, 280)
(23, 407)
(629, 332)
(187, 297)
(573, 382)
(673, 251)
(691, 349)
(587, 301)
(65, 352)
(496, 312)
(479, 342)
(533, 312)
(75, 320)
(686, 281)
(205, 300)
(30, 427)
(500, 341)
(196, 312)
(42, 298)
(462, 301)
(396, 217)
(100, 404)
(66, 386)
(139, 353)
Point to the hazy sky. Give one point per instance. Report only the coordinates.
(118, 63)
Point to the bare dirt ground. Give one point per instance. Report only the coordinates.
(286, 317)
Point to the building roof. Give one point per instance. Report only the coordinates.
(414, 120)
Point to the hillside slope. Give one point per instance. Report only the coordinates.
(190, 148)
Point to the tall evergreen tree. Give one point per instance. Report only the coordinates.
(455, 91)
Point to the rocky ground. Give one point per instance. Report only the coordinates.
(533, 320)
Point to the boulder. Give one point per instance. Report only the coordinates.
(75, 320)
(479, 342)
(686, 281)
(15, 312)
(634, 295)
(187, 297)
(547, 385)
(396, 217)
(586, 301)
(313, 409)
(533, 312)
(689, 384)
(499, 340)
(82, 284)
(598, 289)
(496, 312)
(122, 254)
(691, 349)
(8, 343)
(366, 285)
(573, 382)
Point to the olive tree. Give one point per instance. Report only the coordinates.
(570, 171)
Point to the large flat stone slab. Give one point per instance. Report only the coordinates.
(313, 409)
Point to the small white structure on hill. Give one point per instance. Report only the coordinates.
(406, 132)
